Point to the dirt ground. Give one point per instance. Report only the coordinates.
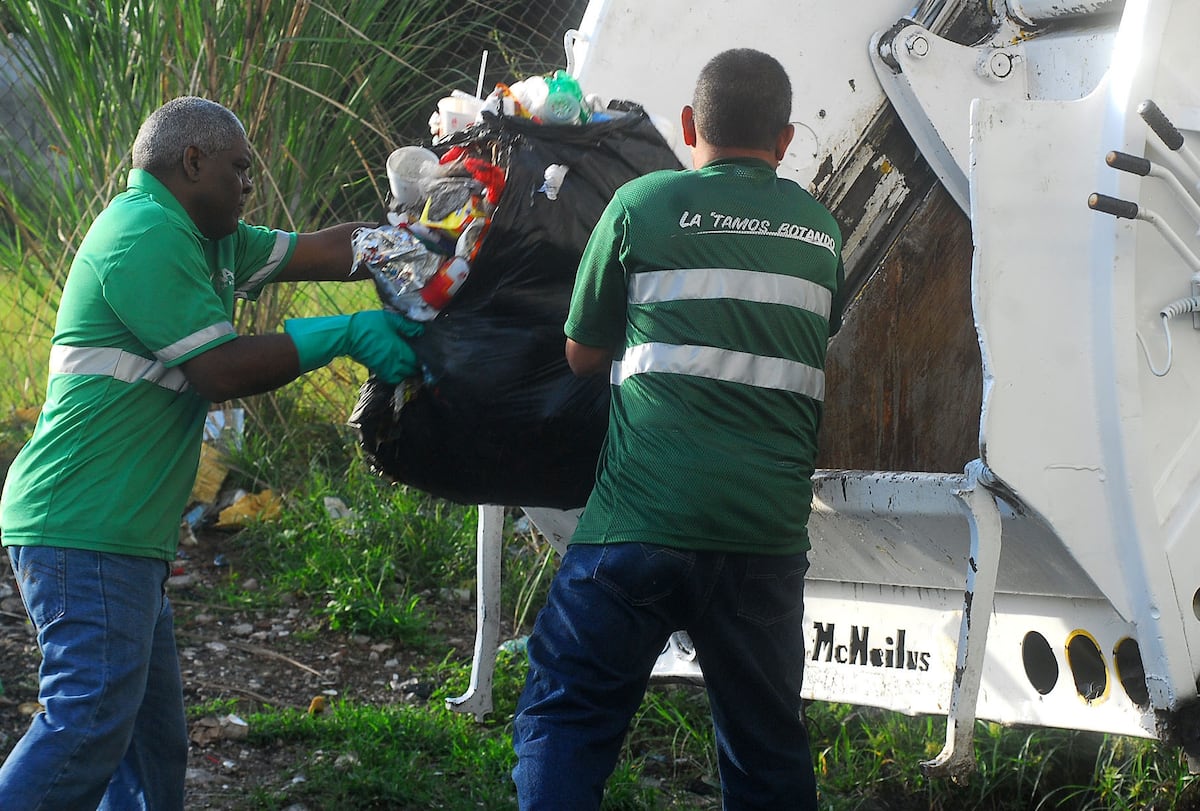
(282, 657)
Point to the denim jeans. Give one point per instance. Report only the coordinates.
(609, 613)
(113, 734)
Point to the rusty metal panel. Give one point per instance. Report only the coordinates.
(904, 377)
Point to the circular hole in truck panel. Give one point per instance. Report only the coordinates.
(1127, 659)
(1087, 666)
(1041, 668)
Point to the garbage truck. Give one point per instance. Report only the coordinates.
(1006, 518)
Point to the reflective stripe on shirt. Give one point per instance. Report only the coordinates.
(744, 285)
(194, 341)
(283, 241)
(115, 363)
(720, 364)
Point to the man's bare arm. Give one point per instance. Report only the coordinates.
(587, 360)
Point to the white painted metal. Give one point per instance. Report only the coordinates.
(651, 53)
(488, 541)
(1045, 11)
(931, 81)
(1080, 429)
(957, 758)
(884, 607)
(891, 554)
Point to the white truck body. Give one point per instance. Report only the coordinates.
(1054, 579)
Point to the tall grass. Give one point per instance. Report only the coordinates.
(325, 90)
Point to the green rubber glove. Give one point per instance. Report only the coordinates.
(374, 338)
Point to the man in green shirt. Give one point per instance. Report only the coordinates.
(143, 345)
(709, 297)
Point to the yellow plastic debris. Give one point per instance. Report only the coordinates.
(456, 221)
(210, 475)
(262, 506)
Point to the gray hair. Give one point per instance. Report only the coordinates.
(180, 123)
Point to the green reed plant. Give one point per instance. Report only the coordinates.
(674, 734)
(1127, 774)
(868, 758)
(326, 91)
(529, 565)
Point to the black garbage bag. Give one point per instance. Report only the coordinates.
(499, 417)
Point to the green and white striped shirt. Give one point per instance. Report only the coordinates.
(717, 290)
(113, 457)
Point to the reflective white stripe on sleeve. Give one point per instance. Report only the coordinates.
(114, 363)
(744, 285)
(282, 241)
(720, 364)
(193, 341)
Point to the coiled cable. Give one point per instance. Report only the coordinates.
(1191, 304)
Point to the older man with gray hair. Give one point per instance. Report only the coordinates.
(144, 344)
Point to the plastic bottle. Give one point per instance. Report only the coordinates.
(564, 100)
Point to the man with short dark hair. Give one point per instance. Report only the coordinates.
(709, 297)
(143, 345)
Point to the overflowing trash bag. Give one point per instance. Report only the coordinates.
(498, 417)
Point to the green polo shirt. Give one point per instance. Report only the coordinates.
(717, 289)
(114, 453)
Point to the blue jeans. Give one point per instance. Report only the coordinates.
(610, 611)
(113, 734)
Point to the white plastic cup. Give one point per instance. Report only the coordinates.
(405, 167)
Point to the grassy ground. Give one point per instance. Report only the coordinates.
(404, 543)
